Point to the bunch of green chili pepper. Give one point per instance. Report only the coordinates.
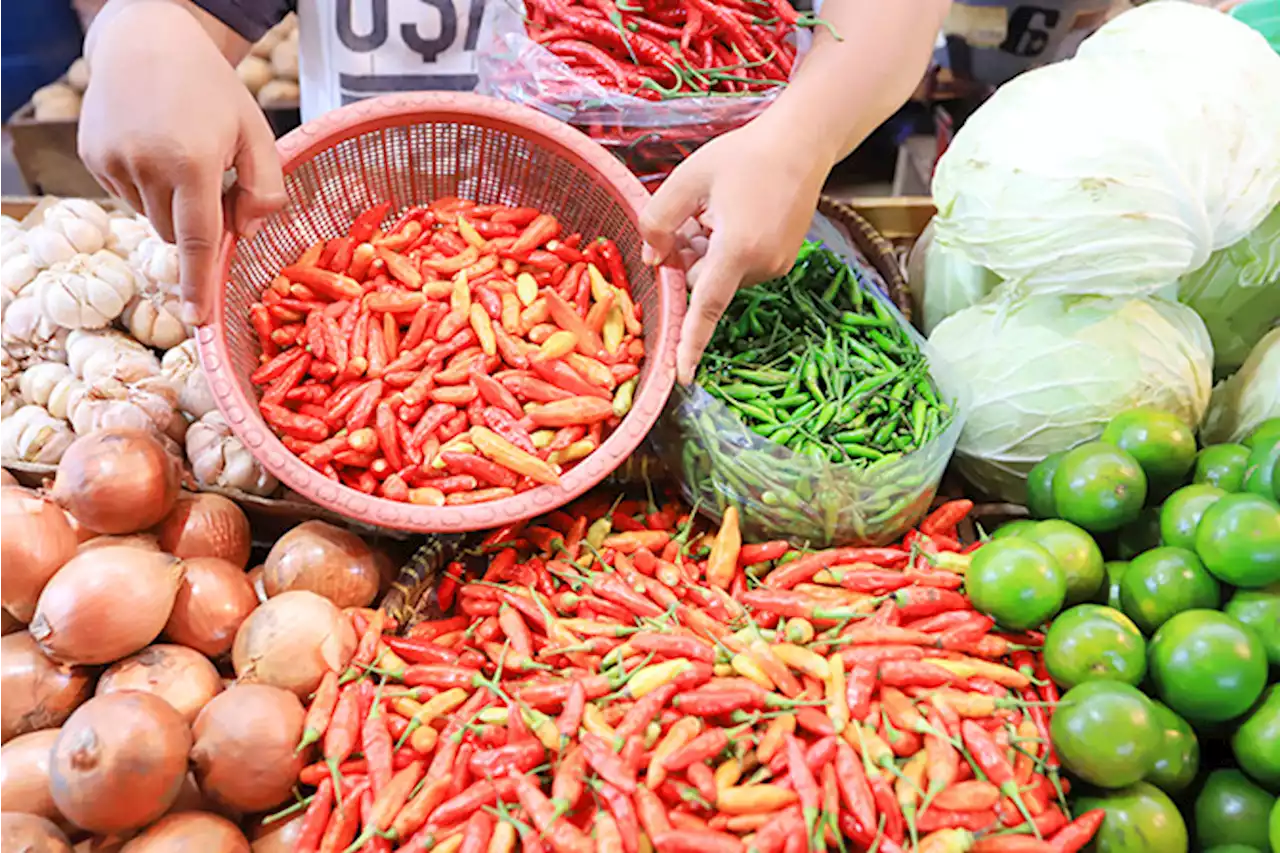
(814, 412)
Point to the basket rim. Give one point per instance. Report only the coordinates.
(398, 110)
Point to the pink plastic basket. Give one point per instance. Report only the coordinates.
(412, 149)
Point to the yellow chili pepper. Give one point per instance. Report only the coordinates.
(544, 729)
(778, 728)
(967, 667)
(453, 445)
(950, 561)
(441, 704)
(613, 330)
(593, 369)
(406, 707)
(681, 732)
(460, 296)
(722, 563)
(450, 845)
(483, 328)
(470, 234)
(722, 670)
(837, 698)
(543, 437)
(503, 839)
(747, 667)
(625, 396)
(593, 721)
(579, 449)
(601, 289)
(423, 740)
(942, 841)
(495, 715)
(508, 455)
(908, 787)
(728, 774)
(968, 705)
(802, 660)
(526, 288)
(754, 799)
(511, 313)
(1026, 752)
(798, 631)
(656, 675)
(558, 344)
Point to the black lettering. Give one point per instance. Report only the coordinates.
(473, 23)
(374, 39)
(430, 48)
(1029, 28)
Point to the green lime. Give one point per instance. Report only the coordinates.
(1075, 553)
(1105, 733)
(1090, 642)
(1222, 465)
(1260, 473)
(1178, 759)
(1163, 582)
(1164, 446)
(1239, 540)
(1099, 487)
(1139, 535)
(1233, 848)
(1182, 511)
(1263, 433)
(1140, 819)
(1259, 610)
(1013, 528)
(1016, 582)
(1110, 592)
(1207, 666)
(1040, 486)
(1275, 828)
(1257, 741)
(1232, 810)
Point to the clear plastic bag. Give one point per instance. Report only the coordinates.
(651, 137)
(719, 461)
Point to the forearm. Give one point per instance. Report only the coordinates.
(846, 87)
(180, 18)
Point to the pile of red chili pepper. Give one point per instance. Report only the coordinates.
(662, 49)
(463, 353)
(616, 679)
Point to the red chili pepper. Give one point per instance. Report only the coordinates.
(345, 821)
(704, 746)
(943, 520)
(606, 762)
(315, 819)
(697, 841)
(563, 836)
(803, 569)
(512, 758)
(1075, 835)
(320, 711)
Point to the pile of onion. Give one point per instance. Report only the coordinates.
(119, 762)
(291, 641)
(28, 833)
(189, 831)
(35, 692)
(213, 600)
(106, 603)
(206, 525)
(327, 560)
(245, 754)
(255, 580)
(117, 481)
(280, 836)
(133, 540)
(180, 676)
(24, 775)
(37, 542)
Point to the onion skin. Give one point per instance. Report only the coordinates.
(180, 676)
(292, 641)
(255, 580)
(106, 603)
(215, 597)
(190, 831)
(206, 525)
(37, 693)
(24, 775)
(117, 481)
(326, 560)
(244, 755)
(279, 837)
(133, 540)
(28, 833)
(37, 542)
(83, 534)
(119, 762)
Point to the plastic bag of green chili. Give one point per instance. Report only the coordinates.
(819, 412)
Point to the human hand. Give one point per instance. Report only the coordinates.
(751, 193)
(163, 119)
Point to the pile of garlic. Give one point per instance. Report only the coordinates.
(90, 300)
(270, 72)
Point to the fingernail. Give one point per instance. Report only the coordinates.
(190, 314)
(251, 229)
(648, 256)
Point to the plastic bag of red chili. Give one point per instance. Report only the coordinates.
(446, 349)
(651, 81)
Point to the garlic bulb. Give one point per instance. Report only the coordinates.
(10, 230)
(38, 381)
(148, 404)
(28, 335)
(17, 270)
(87, 292)
(68, 390)
(181, 366)
(31, 434)
(158, 261)
(56, 102)
(78, 75)
(70, 227)
(219, 459)
(109, 354)
(153, 318)
(126, 234)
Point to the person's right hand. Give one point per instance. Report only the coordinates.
(163, 119)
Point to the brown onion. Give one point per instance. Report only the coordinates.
(326, 560)
(106, 603)
(100, 844)
(180, 676)
(206, 525)
(214, 598)
(37, 541)
(189, 832)
(189, 797)
(36, 692)
(245, 755)
(7, 479)
(133, 540)
(9, 623)
(292, 641)
(120, 762)
(24, 775)
(83, 534)
(280, 836)
(28, 833)
(117, 481)
(255, 580)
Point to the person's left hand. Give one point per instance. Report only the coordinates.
(753, 193)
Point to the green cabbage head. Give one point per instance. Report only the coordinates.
(1248, 398)
(1048, 372)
